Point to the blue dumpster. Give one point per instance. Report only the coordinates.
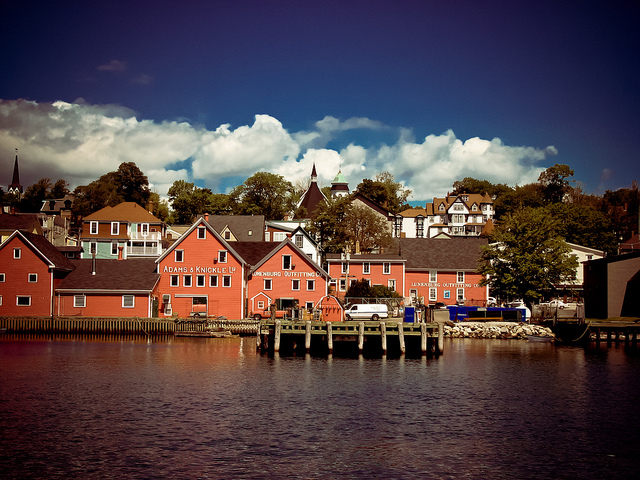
(409, 314)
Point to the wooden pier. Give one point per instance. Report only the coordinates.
(291, 336)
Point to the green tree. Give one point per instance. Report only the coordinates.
(188, 201)
(328, 226)
(554, 182)
(132, 184)
(529, 257)
(472, 185)
(34, 195)
(265, 194)
(584, 225)
(512, 200)
(366, 230)
(362, 289)
(384, 190)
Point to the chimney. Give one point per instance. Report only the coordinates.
(120, 249)
(150, 207)
(206, 217)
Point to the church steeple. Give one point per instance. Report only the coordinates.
(15, 186)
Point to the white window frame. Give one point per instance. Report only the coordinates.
(174, 280)
(202, 233)
(222, 256)
(187, 281)
(115, 228)
(124, 301)
(93, 228)
(391, 283)
(433, 294)
(267, 284)
(201, 281)
(299, 240)
(344, 267)
(342, 286)
(260, 304)
(459, 276)
(433, 276)
(459, 294)
(17, 253)
(286, 258)
(2, 277)
(386, 268)
(213, 281)
(114, 248)
(80, 301)
(35, 278)
(308, 306)
(178, 256)
(18, 297)
(295, 285)
(226, 281)
(144, 229)
(311, 285)
(366, 268)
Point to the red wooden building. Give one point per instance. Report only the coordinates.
(31, 268)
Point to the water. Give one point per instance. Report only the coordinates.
(214, 408)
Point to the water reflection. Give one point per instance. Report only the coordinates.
(165, 407)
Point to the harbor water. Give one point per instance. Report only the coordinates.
(168, 408)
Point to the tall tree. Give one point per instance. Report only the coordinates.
(265, 194)
(529, 257)
(132, 183)
(384, 190)
(328, 227)
(472, 185)
(554, 182)
(584, 225)
(35, 194)
(366, 230)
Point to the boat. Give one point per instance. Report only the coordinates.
(206, 334)
(540, 338)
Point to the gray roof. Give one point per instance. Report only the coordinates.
(454, 253)
(240, 226)
(131, 275)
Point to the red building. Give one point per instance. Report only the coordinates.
(201, 273)
(443, 270)
(377, 269)
(108, 288)
(31, 268)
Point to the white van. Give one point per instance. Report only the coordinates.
(373, 311)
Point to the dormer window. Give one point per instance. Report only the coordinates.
(441, 207)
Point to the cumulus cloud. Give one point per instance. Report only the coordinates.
(80, 142)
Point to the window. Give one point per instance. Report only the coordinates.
(441, 207)
(286, 262)
(213, 280)
(222, 256)
(458, 207)
(589, 257)
(420, 226)
(460, 277)
(474, 208)
(458, 218)
(200, 280)
(308, 306)
(386, 268)
(93, 247)
(17, 253)
(433, 276)
(144, 229)
(226, 280)
(174, 280)
(93, 228)
(128, 301)
(227, 235)
(23, 300)
(186, 280)
(345, 267)
(250, 232)
(179, 256)
(268, 283)
(433, 294)
(343, 285)
(2, 277)
(413, 293)
(260, 304)
(299, 240)
(0, 300)
(33, 278)
(115, 228)
(397, 226)
(391, 284)
(311, 285)
(279, 236)
(366, 268)
(79, 301)
(202, 233)
(460, 294)
(295, 284)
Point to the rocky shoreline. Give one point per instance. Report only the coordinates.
(507, 330)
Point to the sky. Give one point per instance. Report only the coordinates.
(212, 92)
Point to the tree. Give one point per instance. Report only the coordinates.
(328, 226)
(35, 194)
(554, 182)
(584, 225)
(529, 257)
(385, 191)
(362, 289)
(265, 194)
(160, 207)
(525, 196)
(132, 184)
(472, 185)
(366, 230)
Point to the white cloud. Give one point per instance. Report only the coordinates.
(80, 142)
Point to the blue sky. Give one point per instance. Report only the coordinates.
(211, 92)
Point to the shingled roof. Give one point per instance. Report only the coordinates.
(245, 228)
(125, 211)
(132, 275)
(26, 222)
(452, 253)
(44, 249)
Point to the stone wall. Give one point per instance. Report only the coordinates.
(494, 330)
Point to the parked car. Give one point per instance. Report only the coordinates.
(491, 302)
(366, 310)
(557, 304)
